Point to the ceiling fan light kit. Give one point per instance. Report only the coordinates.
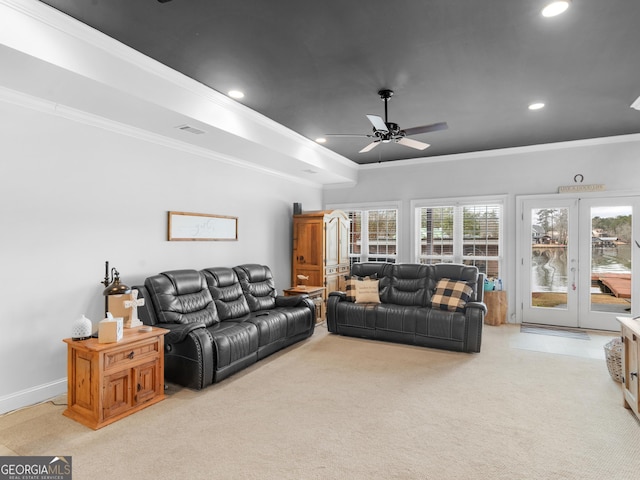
(385, 131)
(555, 8)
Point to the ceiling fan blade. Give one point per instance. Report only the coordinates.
(378, 123)
(346, 135)
(371, 146)
(434, 127)
(409, 142)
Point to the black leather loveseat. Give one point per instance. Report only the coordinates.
(411, 310)
(221, 320)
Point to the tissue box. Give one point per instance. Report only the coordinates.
(110, 330)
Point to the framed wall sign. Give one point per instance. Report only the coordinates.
(185, 226)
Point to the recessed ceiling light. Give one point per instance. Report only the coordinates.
(321, 140)
(555, 8)
(236, 94)
(536, 106)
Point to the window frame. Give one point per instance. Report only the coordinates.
(458, 203)
(368, 207)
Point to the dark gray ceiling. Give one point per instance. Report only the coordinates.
(316, 67)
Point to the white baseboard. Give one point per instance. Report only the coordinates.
(32, 396)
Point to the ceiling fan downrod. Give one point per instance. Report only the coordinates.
(385, 95)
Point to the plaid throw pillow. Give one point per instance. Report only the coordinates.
(451, 295)
(351, 285)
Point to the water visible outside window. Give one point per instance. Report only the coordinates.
(611, 259)
(549, 240)
(610, 264)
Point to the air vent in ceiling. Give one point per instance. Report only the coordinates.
(190, 129)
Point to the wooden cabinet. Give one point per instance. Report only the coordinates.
(321, 249)
(108, 381)
(630, 363)
(316, 294)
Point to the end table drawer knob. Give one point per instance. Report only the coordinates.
(130, 356)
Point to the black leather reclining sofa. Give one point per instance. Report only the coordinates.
(407, 312)
(221, 320)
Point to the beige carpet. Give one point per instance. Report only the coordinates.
(344, 408)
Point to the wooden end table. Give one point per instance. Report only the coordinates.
(108, 381)
(316, 294)
(496, 302)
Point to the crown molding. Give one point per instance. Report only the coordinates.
(70, 26)
(71, 41)
(45, 106)
(545, 147)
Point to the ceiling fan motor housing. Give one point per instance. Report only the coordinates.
(393, 132)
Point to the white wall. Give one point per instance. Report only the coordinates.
(614, 162)
(73, 195)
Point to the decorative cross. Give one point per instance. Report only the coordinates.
(133, 303)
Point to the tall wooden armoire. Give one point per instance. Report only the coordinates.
(321, 249)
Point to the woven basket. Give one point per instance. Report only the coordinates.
(613, 352)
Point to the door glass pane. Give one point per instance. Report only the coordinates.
(611, 259)
(549, 240)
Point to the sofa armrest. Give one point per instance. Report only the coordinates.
(474, 313)
(291, 301)
(189, 355)
(302, 300)
(478, 305)
(297, 301)
(480, 288)
(332, 304)
(178, 331)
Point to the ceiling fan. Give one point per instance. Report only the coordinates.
(385, 131)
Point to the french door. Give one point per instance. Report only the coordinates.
(576, 267)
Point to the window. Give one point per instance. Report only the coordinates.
(374, 235)
(461, 233)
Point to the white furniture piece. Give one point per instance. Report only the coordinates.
(631, 363)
